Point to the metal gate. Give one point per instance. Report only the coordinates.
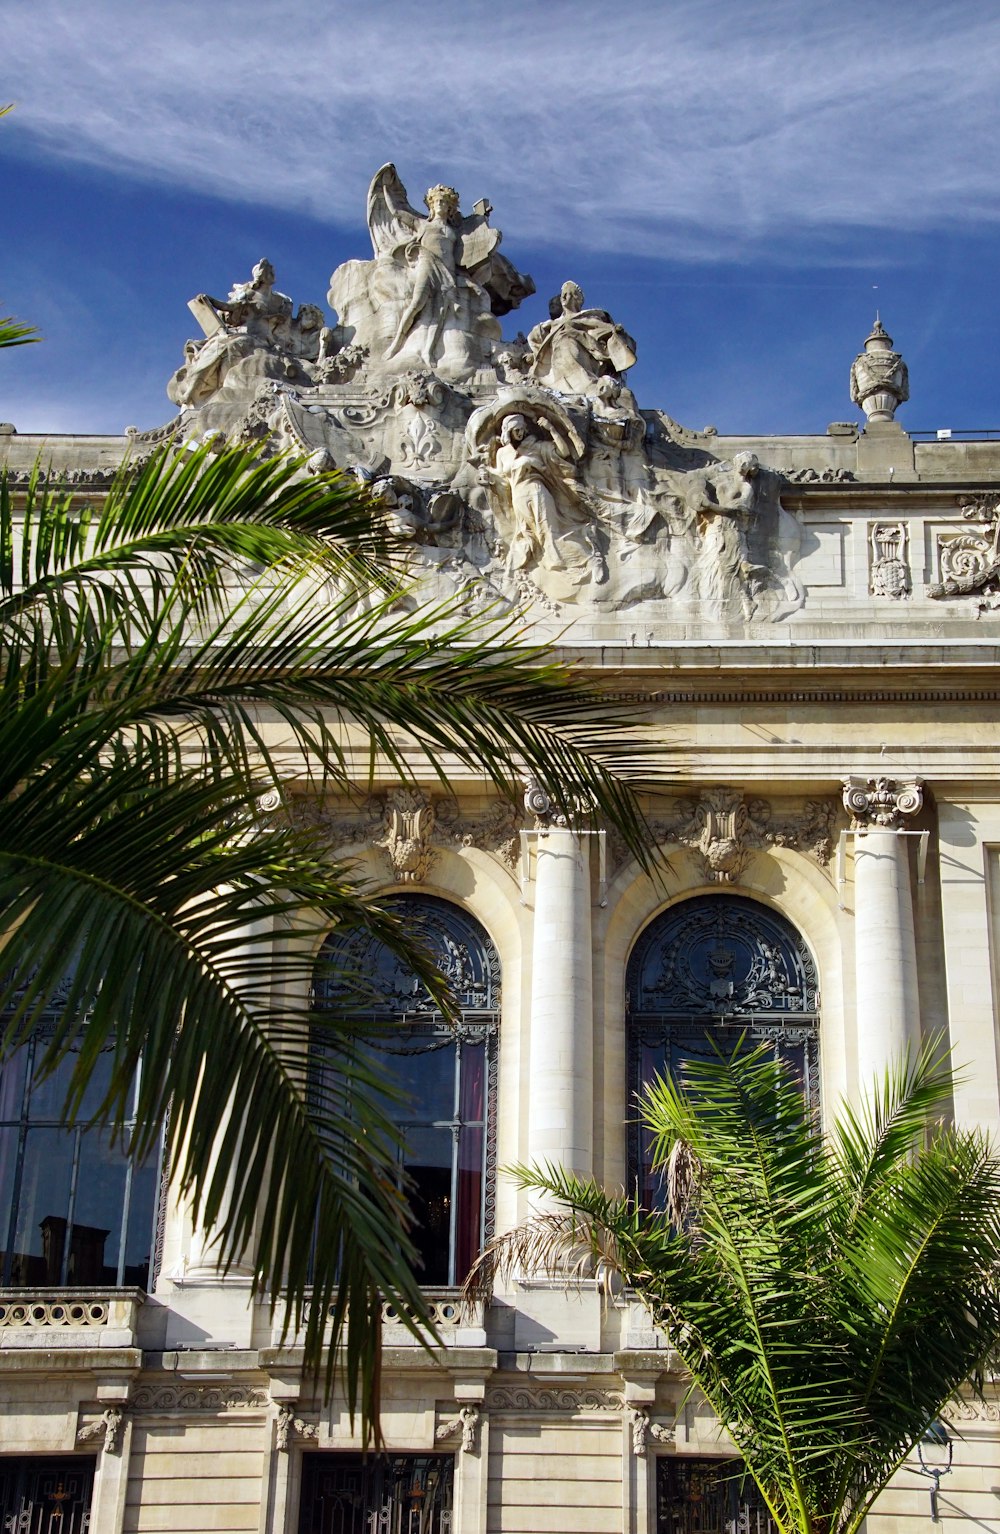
(708, 1496)
(45, 1496)
(377, 1494)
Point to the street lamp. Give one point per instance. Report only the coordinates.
(934, 1450)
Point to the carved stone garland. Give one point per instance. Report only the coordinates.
(407, 825)
(110, 1425)
(644, 1428)
(467, 1422)
(288, 1425)
(727, 829)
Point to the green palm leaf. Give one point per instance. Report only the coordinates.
(828, 1299)
(218, 624)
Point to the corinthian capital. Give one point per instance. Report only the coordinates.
(881, 802)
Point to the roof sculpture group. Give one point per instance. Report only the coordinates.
(520, 473)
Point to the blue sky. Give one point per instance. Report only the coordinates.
(739, 184)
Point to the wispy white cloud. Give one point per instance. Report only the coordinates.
(684, 129)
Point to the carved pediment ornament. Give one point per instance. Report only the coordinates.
(880, 803)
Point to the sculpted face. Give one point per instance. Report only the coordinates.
(263, 274)
(442, 202)
(571, 297)
(514, 430)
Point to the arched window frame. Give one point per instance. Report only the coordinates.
(678, 998)
(467, 955)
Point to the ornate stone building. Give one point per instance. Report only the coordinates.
(813, 620)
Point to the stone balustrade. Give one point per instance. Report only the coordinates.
(104, 1318)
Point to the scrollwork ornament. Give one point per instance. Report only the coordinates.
(881, 802)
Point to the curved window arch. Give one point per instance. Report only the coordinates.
(447, 1075)
(701, 975)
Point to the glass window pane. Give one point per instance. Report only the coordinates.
(442, 1073)
(428, 1159)
(43, 1207)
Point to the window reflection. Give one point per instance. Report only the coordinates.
(445, 1075)
(74, 1210)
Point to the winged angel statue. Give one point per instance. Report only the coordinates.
(431, 296)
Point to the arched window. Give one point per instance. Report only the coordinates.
(447, 1075)
(703, 974)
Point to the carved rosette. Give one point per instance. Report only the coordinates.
(881, 803)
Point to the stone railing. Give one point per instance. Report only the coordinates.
(454, 1322)
(69, 1317)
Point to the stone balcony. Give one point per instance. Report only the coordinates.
(69, 1318)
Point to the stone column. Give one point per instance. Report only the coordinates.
(561, 1050)
(888, 1013)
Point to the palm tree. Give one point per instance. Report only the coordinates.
(155, 653)
(828, 1294)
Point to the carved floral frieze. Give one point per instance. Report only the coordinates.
(186, 1397)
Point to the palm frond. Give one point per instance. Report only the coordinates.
(14, 333)
(827, 1301)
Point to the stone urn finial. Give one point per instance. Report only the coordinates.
(879, 379)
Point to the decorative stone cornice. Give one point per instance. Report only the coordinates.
(881, 803)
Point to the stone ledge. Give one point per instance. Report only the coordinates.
(69, 1360)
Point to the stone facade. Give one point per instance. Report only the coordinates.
(813, 621)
